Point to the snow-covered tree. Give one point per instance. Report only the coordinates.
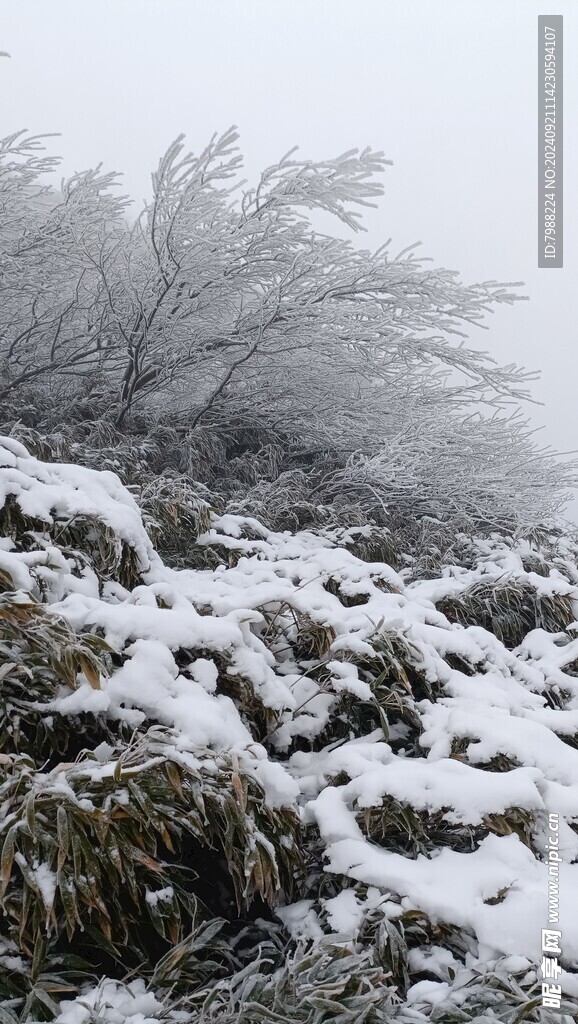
(53, 324)
(224, 313)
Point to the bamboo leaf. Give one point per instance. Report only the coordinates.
(90, 671)
(7, 858)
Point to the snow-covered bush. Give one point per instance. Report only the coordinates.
(295, 784)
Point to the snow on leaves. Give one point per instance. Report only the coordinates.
(422, 749)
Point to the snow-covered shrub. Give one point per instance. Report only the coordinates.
(291, 740)
(509, 609)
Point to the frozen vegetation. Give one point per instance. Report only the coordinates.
(371, 769)
(288, 616)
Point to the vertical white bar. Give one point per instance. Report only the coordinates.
(550, 141)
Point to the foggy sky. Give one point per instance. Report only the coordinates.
(447, 89)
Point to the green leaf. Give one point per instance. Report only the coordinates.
(7, 858)
(62, 831)
(67, 895)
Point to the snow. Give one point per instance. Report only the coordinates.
(43, 878)
(347, 911)
(242, 622)
(46, 882)
(301, 920)
(426, 993)
(58, 491)
(115, 1002)
(465, 793)
(437, 960)
(153, 897)
(453, 886)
